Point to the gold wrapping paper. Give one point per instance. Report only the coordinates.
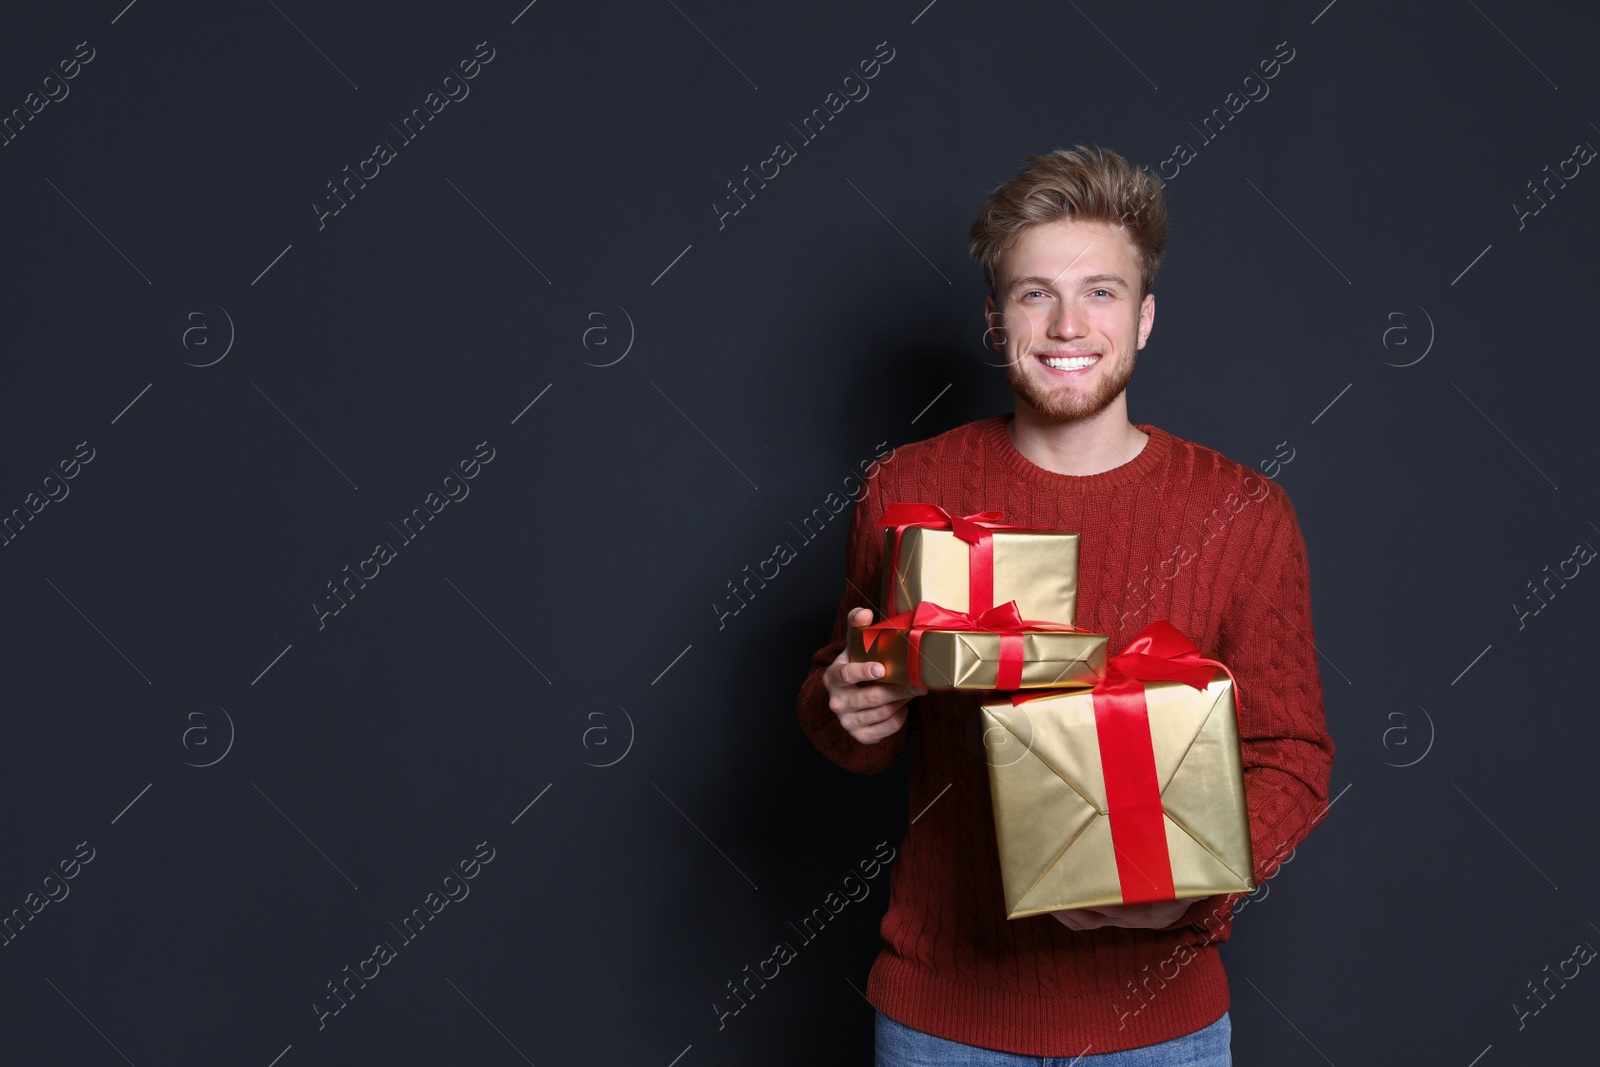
(1049, 797)
(1036, 568)
(970, 659)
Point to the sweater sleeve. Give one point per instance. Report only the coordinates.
(863, 572)
(1267, 641)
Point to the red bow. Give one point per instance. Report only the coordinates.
(1005, 620)
(1158, 653)
(975, 529)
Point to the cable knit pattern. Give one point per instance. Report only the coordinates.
(1180, 533)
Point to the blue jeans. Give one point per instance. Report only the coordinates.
(899, 1045)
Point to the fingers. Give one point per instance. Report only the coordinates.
(844, 673)
(872, 713)
(1082, 919)
(874, 724)
(857, 618)
(866, 697)
(855, 673)
(844, 676)
(874, 728)
(868, 710)
(1150, 915)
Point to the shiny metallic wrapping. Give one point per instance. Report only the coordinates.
(1036, 568)
(1049, 797)
(970, 659)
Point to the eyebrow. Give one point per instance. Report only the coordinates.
(1040, 280)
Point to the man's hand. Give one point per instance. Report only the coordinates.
(1155, 915)
(868, 712)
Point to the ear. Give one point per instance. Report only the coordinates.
(1147, 317)
(993, 320)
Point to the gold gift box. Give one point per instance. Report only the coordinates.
(1036, 568)
(1049, 797)
(970, 659)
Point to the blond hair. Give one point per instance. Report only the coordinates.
(1087, 184)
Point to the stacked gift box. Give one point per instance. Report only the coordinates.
(1114, 780)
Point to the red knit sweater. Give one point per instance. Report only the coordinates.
(1180, 533)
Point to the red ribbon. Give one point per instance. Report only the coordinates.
(1005, 620)
(975, 529)
(1158, 653)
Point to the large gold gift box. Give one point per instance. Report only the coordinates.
(970, 659)
(1049, 797)
(1036, 568)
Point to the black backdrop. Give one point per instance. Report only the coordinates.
(251, 391)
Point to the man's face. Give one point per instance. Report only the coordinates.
(1072, 317)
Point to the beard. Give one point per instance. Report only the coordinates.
(1064, 404)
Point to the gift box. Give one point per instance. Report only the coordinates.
(1129, 792)
(974, 562)
(998, 649)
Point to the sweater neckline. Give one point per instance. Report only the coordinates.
(1155, 451)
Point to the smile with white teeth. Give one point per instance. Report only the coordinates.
(1069, 362)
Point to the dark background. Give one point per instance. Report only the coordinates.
(1349, 240)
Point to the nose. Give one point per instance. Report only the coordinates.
(1067, 322)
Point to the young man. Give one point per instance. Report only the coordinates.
(1169, 530)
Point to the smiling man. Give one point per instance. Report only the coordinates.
(1169, 530)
